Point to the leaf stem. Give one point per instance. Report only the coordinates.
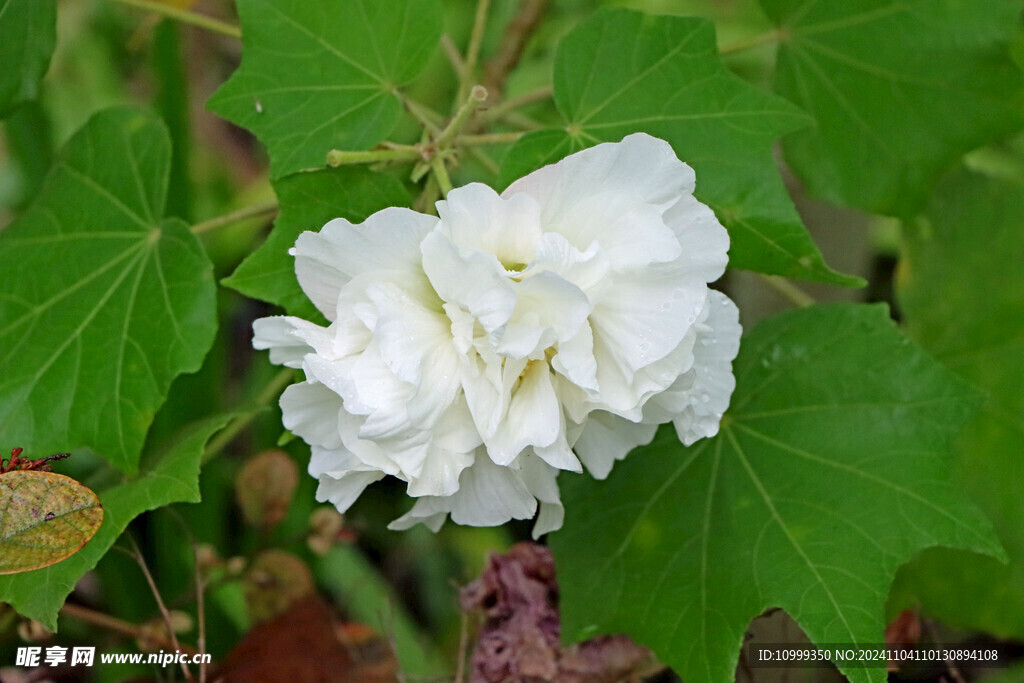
(489, 138)
(427, 117)
(476, 96)
(773, 36)
(186, 16)
(225, 436)
(485, 160)
(337, 157)
(452, 52)
(444, 182)
(789, 290)
(260, 209)
(501, 109)
(476, 37)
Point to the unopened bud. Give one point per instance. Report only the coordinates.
(265, 487)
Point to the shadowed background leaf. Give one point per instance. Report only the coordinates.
(899, 90)
(28, 33)
(961, 287)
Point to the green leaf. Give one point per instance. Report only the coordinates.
(620, 72)
(170, 476)
(28, 34)
(317, 76)
(899, 89)
(103, 302)
(962, 293)
(829, 472)
(45, 518)
(308, 201)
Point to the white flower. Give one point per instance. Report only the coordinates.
(476, 354)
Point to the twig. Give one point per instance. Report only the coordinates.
(119, 626)
(513, 41)
(476, 96)
(476, 37)
(186, 16)
(337, 157)
(200, 589)
(460, 665)
(489, 138)
(452, 52)
(159, 602)
(444, 182)
(485, 160)
(951, 668)
(261, 209)
(281, 380)
(788, 290)
(427, 117)
(500, 110)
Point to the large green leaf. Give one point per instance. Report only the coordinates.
(103, 302)
(900, 89)
(962, 292)
(322, 75)
(170, 476)
(620, 72)
(308, 201)
(28, 34)
(829, 472)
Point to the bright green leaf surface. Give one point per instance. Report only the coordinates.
(28, 33)
(828, 474)
(110, 303)
(899, 89)
(962, 292)
(317, 76)
(44, 518)
(620, 72)
(171, 476)
(308, 201)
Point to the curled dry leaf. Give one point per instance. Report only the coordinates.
(45, 517)
(519, 640)
(265, 487)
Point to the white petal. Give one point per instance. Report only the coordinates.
(472, 279)
(325, 261)
(642, 318)
(607, 438)
(540, 479)
(575, 360)
(290, 339)
(476, 217)
(488, 495)
(639, 170)
(310, 410)
(534, 416)
(717, 344)
(345, 489)
(548, 309)
(704, 241)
